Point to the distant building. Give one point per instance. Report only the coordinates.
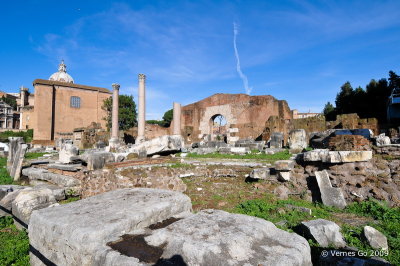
(8, 118)
(297, 115)
(59, 106)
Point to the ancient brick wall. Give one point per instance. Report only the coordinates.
(245, 115)
(349, 143)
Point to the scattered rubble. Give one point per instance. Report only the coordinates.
(330, 196)
(324, 232)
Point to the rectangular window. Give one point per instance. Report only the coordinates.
(75, 102)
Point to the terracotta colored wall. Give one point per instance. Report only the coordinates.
(66, 118)
(245, 115)
(43, 112)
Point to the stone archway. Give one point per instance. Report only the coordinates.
(218, 127)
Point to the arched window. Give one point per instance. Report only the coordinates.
(75, 102)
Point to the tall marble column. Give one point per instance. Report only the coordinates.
(114, 117)
(177, 119)
(142, 108)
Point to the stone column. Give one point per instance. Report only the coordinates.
(177, 119)
(114, 122)
(142, 108)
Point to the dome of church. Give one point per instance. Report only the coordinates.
(62, 75)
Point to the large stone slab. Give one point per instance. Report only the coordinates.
(57, 179)
(67, 153)
(284, 165)
(19, 156)
(326, 156)
(330, 196)
(234, 150)
(348, 156)
(276, 141)
(375, 239)
(260, 173)
(14, 142)
(5, 189)
(97, 159)
(29, 200)
(77, 233)
(324, 232)
(214, 237)
(168, 143)
(298, 139)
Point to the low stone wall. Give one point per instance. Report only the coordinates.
(163, 177)
(349, 143)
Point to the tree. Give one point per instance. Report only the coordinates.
(10, 101)
(167, 118)
(394, 81)
(344, 99)
(329, 112)
(127, 112)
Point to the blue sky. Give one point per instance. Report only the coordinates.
(298, 51)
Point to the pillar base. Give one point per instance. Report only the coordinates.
(140, 139)
(114, 143)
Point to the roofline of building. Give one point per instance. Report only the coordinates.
(71, 85)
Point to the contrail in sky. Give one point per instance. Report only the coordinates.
(238, 68)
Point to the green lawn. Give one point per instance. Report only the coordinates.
(14, 244)
(283, 155)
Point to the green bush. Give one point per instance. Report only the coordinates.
(27, 135)
(14, 244)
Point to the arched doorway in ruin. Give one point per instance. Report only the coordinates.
(218, 127)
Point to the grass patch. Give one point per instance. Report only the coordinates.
(387, 222)
(34, 155)
(180, 165)
(5, 178)
(70, 199)
(279, 210)
(14, 244)
(27, 135)
(283, 155)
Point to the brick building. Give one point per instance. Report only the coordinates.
(58, 106)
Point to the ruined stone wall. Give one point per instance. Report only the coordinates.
(346, 121)
(245, 115)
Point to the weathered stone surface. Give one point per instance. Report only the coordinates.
(276, 141)
(283, 176)
(375, 239)
(29, 200)
(324, 232)
(234, 150)
(58, 192)
(5, 189)
(327, 156)
(57, 179)
(6, 202)
(284, 165)
(97, 160)
(67, 152)
(348, 156)
(298, 139)
(168, 143)
(330, 196)
(260, 173)
(214, 237)
(65, 167)
(382, 140)
(316, 155)
(16, 167)
(77, 233)
(282, 192)
(14, 142)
